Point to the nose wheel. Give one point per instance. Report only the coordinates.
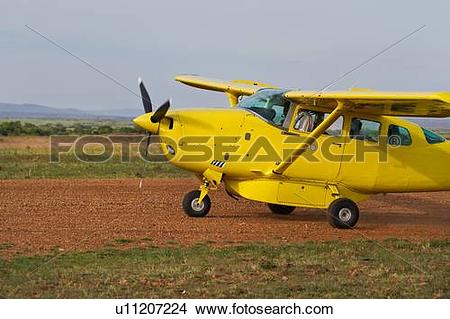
(197, 203)
(343, 213)
(194, 207)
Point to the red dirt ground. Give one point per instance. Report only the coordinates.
(38, 215)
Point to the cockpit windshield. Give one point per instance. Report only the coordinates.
(269, 104)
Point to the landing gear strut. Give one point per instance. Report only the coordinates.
(197, 203)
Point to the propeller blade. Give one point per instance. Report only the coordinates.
(146, 146)
(161, 112)
(145, 97)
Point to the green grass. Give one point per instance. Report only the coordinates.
(35, 163)
(355, 269)
(123, 241)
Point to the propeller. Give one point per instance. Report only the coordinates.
(157, 116)
(161, 112)
(146, 101)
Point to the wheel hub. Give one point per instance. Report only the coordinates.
(345, 214)
(196, 205)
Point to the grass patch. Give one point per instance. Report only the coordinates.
(6, 246)
(123, 241)
(356, 269)
(172, 242)
(34, 162)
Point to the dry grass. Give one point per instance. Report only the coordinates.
(307, 270)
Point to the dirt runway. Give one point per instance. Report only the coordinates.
(37, 216)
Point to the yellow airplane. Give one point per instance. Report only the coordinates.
(291, 148)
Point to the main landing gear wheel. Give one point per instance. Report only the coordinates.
(343, 213)
(192, 207)
(281, 209)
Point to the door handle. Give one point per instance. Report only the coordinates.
(337, 144)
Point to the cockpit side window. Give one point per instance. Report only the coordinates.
(269, 104)
(306, 121)
(336, 128)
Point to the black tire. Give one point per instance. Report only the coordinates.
(281, 209)
(343, 213)
(190, 207)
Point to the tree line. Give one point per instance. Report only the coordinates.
(14, 128)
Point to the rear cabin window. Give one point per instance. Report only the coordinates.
(399, 136)
(433, 138)
(365, 130)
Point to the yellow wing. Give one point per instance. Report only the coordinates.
(420, 104)
(233, 89)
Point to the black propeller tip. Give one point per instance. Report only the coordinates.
(161, 112)
(146, 101)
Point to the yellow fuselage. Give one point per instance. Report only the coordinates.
(249, 148)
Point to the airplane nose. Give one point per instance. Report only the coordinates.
(144, 122)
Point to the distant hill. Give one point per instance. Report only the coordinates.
(432, 123)
(22, 111)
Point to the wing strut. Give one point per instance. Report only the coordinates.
(319, 130)
(233, 99)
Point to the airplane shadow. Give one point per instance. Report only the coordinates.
(366, 217)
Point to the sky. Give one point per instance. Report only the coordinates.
(293, 44)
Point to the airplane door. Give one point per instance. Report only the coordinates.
(362, 153)
(323, 159)
(393, 173)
